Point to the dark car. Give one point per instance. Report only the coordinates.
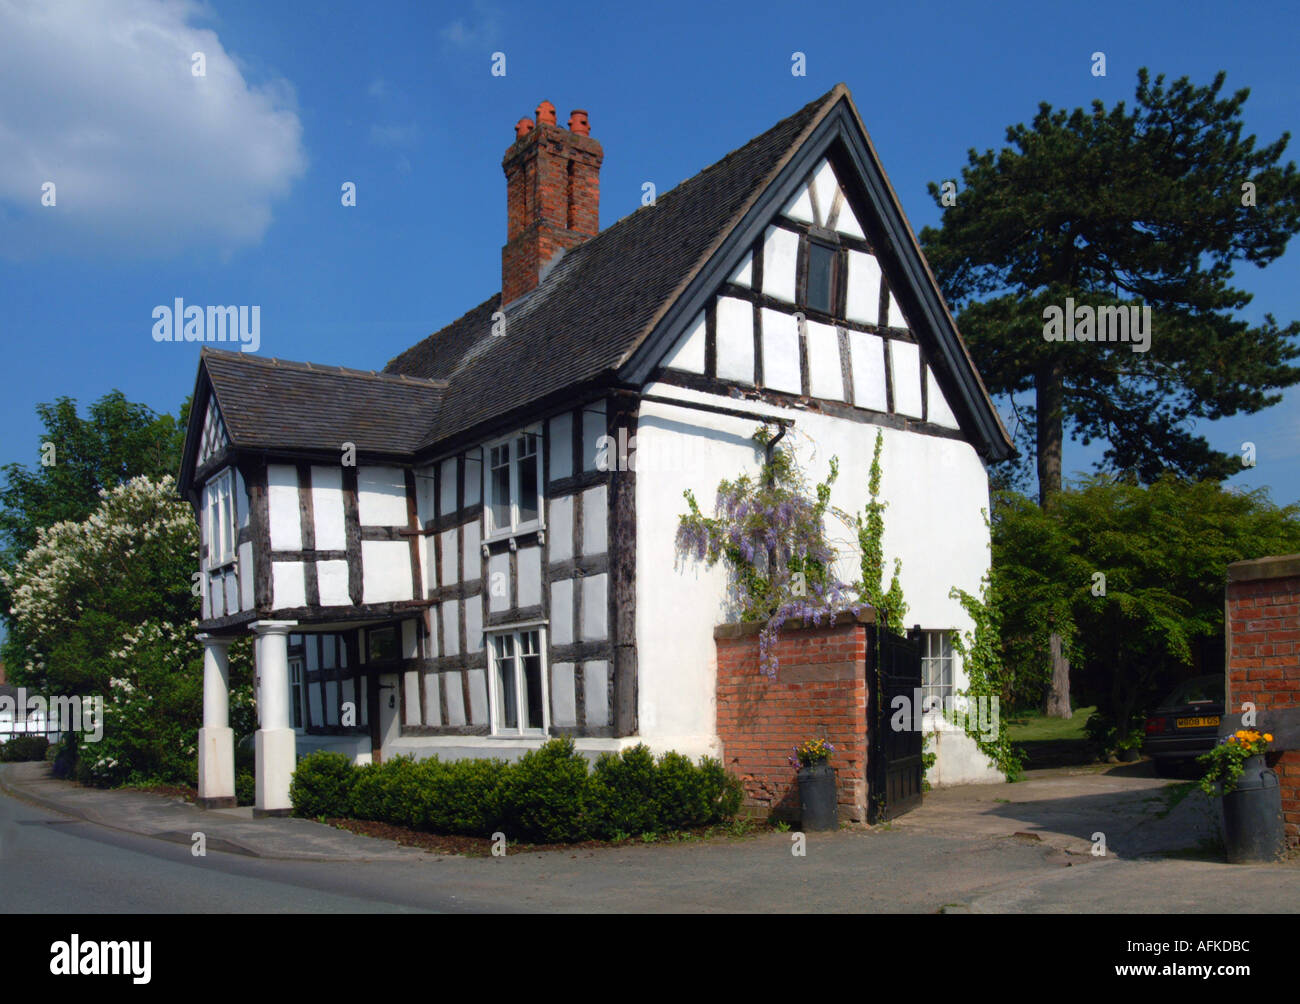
(1185, 724)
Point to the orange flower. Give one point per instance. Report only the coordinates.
(1268, 737)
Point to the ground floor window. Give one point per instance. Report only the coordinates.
(518, 683)
(295, 691)
(936, 668)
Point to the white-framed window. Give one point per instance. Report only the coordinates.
(295, 692)
(517, 679)
(936, 668)
(219, 516)
(514, 485)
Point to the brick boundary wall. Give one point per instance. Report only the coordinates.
(1262, 637)
(820, 691)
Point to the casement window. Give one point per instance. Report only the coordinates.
(219, 516)
(518, 683)
(936, 668)
(514, 484)
(295, 692)
(821, 277)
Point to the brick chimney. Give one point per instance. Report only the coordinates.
(552, 195)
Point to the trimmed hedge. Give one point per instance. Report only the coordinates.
(322, 784)
(22, 748)
(548, 796)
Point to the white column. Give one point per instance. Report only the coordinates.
(276, 746)
(216, 738)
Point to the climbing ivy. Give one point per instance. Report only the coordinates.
(980, 650)
(891, 609)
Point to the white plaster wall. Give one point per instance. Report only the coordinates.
(561, 459)
(288, 585)
(386, 571)
(735, 339)
(781, 369)
(689, 352)
(381, 496)
(327, 507)
(559, 535)
(936, 405)
(332, 582)
(744, 275)
(282, 503)
(593, 429)
(780, 255)
(863, 302)
(905, 369)
(245, 575)
(595, 520)
(825, 374)
(935, 490)
(868, 355)
(447, 487)
(530, 576)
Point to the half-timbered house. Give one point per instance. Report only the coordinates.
(473, 549)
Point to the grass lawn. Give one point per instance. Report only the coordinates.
(1051, 742)
(1036, 727)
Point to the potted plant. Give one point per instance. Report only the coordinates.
(818, 799)
(1253, 828)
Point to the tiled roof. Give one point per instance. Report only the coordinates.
(602, 297)
(273, 404)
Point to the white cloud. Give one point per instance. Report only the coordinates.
(473, 32)
(394, 134)
(148, 159)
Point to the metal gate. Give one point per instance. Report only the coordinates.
(894, 767)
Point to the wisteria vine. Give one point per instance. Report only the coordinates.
(771, 533)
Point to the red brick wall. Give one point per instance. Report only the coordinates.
(552, 201)
(1263, 651)
(820, 691)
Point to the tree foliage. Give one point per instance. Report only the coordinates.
(1139, 573)
(1135, 205)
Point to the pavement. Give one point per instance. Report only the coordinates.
(171, 818)
(1022, 848)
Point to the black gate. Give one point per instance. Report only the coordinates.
(894, 767)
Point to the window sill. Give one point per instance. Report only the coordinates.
(222, 565)
(501, 535)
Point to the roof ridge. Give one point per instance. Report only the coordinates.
(611, 232)
(290, 364)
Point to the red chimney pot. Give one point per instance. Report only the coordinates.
(552, 196)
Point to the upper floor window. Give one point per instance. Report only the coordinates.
(514, 484)
(219, 517)
(821, 283)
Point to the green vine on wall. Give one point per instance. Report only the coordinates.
(891, 609)
(980, 650)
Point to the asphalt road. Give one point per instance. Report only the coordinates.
(51, 864)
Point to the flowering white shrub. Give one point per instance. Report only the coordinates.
(104, 607)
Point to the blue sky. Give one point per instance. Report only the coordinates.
(226, 189)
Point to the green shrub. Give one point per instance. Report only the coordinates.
(21, 748)
(725, 792)
(396, 791)
(622, 793)
(245, 788)
(322, 785)
(545, 795)
(467, 797)
(681, 797)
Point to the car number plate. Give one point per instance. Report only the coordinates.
(1197, 723)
